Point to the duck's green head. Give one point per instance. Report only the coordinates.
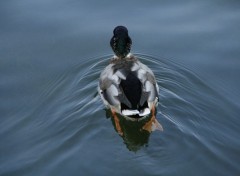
(121, 42)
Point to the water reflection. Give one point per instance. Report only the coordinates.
(133, 134)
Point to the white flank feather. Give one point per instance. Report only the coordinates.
(128, 112)
(145, 112)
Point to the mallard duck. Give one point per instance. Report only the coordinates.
(127, 86)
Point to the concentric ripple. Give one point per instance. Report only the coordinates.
(69, 124)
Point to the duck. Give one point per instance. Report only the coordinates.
(127, 86)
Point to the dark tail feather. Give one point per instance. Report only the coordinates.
(132, 89)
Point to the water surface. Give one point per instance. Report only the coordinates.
(54, 123)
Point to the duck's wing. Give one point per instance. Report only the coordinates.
(150, 88)
(110, 90)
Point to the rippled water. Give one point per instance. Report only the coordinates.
(53, 121)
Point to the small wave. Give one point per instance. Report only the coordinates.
(194, 115)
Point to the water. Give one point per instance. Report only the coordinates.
(54, 123)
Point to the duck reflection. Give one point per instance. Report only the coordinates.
(134, 133)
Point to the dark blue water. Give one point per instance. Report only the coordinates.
(52, 122)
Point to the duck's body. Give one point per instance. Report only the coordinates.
(127, 86)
